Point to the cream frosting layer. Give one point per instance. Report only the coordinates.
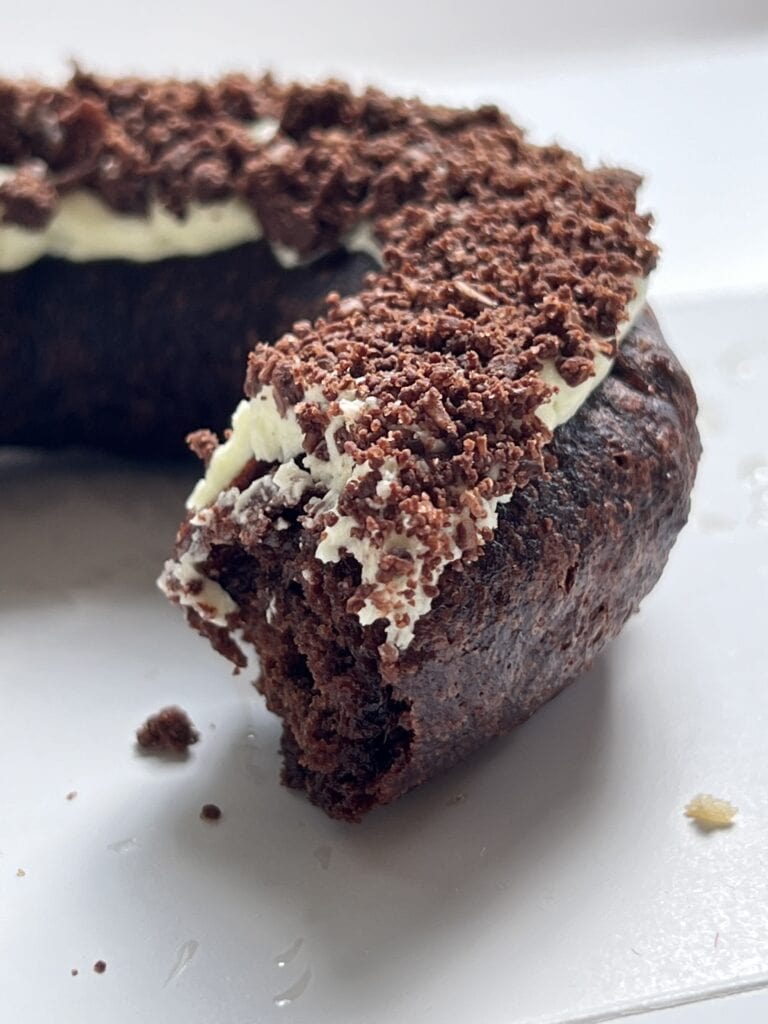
(84, 228)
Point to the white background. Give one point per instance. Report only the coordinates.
(564, 884)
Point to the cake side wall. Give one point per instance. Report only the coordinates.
(571, 561)
(131, 357)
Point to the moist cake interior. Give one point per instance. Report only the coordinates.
(342, 727)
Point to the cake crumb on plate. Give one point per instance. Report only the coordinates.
(170, 730)
(710, 811)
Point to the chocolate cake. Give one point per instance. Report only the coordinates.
(442, 496)
(456, 474)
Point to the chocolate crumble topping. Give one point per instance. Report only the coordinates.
(336, 158)
(203, 443)
(100, 966)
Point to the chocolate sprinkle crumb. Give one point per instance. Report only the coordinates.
(100, 966)
(170, 730)
(72, 794)
(203, 443)
(74, 972)
(210, 812)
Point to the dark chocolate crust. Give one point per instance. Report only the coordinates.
(131, 357)
(573, 556)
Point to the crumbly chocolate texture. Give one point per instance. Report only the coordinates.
(170, 730)
(574, 553)
(337, 157)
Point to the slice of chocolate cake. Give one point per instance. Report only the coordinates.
(424, 520)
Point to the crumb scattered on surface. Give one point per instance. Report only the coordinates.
(710, 811)
(71, 794)
(74, 972)
(210, 812)
(20, 872)
(170, 730)
(100, 966)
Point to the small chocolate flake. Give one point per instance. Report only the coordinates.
(72, 794)
(74, 972)
(100, 966)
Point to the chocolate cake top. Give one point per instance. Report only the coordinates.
(334, 158)
(501, 261)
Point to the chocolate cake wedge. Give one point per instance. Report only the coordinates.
(573, 554)
(439, 499)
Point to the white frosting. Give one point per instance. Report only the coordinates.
(260, 431)
(263, 130)
(360, 239)
(84, 228)
(567, 400)
(183, 581)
